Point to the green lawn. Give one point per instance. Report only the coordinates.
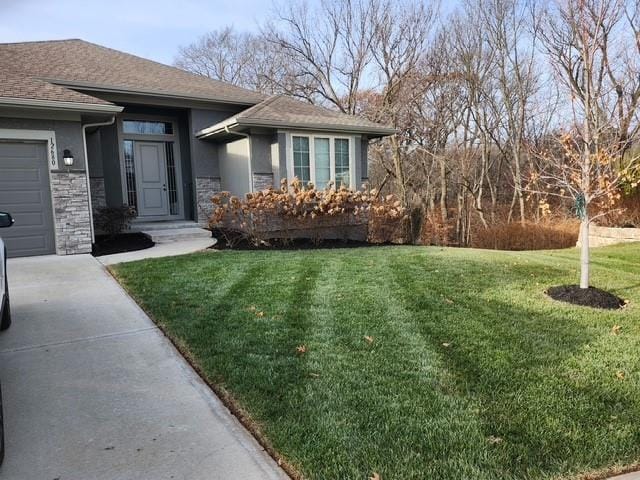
(472, 372)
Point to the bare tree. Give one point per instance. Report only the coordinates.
(244, 59)
(329, 47)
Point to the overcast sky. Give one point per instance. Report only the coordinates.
(150, 28)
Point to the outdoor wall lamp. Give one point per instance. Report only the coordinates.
(67, 158)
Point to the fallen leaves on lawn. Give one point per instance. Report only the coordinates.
(375, 476)
(301, 349)
(369, 339)
(446, 344)
(620, 375)
(260, 314)
(616, 329)
(448, 300)
(493, 440)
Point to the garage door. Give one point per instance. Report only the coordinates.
(25, 194)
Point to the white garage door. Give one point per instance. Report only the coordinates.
(25, 194)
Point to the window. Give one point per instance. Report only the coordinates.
(342, 162)
(172, 184)
(321, 159)
(301, 165)
(323, 162)
(147, 127)
(130, 174)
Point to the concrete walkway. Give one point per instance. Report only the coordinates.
(627, 476)
(92, 390)
(180, 247)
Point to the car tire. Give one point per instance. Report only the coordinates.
(5, 322)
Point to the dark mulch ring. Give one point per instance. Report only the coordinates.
(587, 297)
(124, 242)
(288, 244)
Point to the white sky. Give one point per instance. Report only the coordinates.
(150, 28)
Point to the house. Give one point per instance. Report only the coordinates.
(84, 126)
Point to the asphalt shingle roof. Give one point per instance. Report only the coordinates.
(281, 110)
(54, 70)
(17, 85)
(77, 63)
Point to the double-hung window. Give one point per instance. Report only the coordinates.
(301, 159)
(320, 159)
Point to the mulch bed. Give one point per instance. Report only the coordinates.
(294, 244)
(240, 243)
(587, 297)
(125, 242)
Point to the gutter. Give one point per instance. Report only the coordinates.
(233, 123)
(56, 105)
(86, 169)
(92, 87)
(248, 137)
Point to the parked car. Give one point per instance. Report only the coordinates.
(5, 308)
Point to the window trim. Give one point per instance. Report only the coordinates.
(312, 157)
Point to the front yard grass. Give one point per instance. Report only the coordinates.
(420, 363)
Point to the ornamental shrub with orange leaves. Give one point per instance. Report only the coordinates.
(302, 211)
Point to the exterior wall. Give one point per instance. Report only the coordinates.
(98, 194)
(71, 212)
(262, 181)
(204, 154)
(262, 176)
(68, 135)
(602, 236)
(358, 162)
(206, 187)
(110, 149)
(282, 156)
(275, 161)
(234, 167)
(364, 159)
(205, 163)
(69, 193)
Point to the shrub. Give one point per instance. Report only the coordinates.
(299, 211)
(114, 220)
(530, 236)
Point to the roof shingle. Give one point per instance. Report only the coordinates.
(16, 85)
(76, 63)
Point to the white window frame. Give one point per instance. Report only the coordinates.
(312, 155)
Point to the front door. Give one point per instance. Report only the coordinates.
(151, 178)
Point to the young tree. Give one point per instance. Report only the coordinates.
(594, 161)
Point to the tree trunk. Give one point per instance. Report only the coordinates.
(584, 253)
(443, 190)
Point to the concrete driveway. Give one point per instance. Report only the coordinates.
(92, 390)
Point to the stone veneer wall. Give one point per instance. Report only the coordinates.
(98, 193)
(71, 212)
(601, 236)
(262, 181)
(206, 187)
